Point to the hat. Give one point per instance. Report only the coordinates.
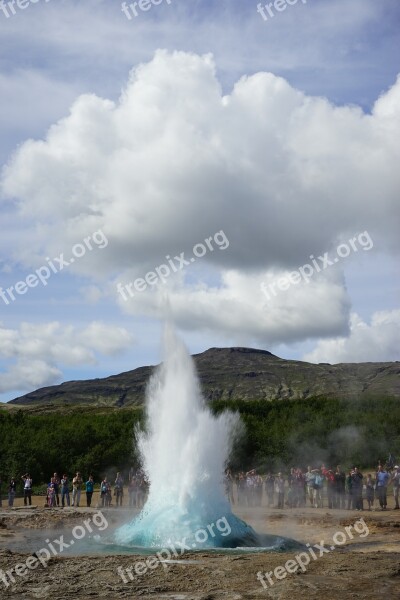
(396, 467)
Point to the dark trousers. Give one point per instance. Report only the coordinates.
(358, 499)
(381, 492)
(89, 498)
(27, 497)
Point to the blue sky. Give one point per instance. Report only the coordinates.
(201, 141)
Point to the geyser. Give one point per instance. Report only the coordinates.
(184, 454)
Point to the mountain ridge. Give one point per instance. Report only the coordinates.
(235, 373)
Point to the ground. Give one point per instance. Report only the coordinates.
(365, 567)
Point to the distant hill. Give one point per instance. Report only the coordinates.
(234, 374)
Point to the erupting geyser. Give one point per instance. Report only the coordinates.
(184, 454)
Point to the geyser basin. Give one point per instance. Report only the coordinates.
(184, 453)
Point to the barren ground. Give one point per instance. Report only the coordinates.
(365, 567)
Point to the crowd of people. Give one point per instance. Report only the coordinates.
(63, 491)
(339, 489)
(335, 488)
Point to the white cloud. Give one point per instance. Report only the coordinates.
(375, 342)
(237, 308)
(40, 349)
(285, 175)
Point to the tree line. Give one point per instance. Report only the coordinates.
(276, 435)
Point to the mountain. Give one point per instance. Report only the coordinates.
(234, 374)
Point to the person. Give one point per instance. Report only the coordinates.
(291, 492)
(132, 490)
(339, 492)
(396, 486)
(27, 489)
(118, 490)
(382, 479)
(310, 478)
(269, 489)
(357, 489)
(89, 490)
(105, 493)
(280, 490)
(64, 490)
(250, 487)
(258, 489)
(12, 490)
(141, 491)
(318, 483)
(55, 480)
(349, 490)
(51, 495)
(76, 489)
(241, 489)
(228, 486)
(369, 491)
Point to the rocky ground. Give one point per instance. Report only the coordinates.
(365, 567)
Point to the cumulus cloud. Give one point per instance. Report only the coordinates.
(282, 173)
(238, 309)
(374, 342)
(285, 175)
(38, 350)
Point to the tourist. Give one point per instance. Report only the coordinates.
(55, 480)
(27, 489)
(64, 490)
(340, 488)
(12, 490)
(132, 491)
(241, 489)
(250, 487)
(141, 491)
(89, 485)
(349, 490)
(396, 486)
(382, 479)
(369, 491)
(318, 483)
(76, 489)
(118, 490)
(309, 479)
(280, 490)
(51, 496)
(290, 499)
(269, 489)
(300, 485)
(258, 489)
(228, 486)
(357, 489)
(105, 493)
